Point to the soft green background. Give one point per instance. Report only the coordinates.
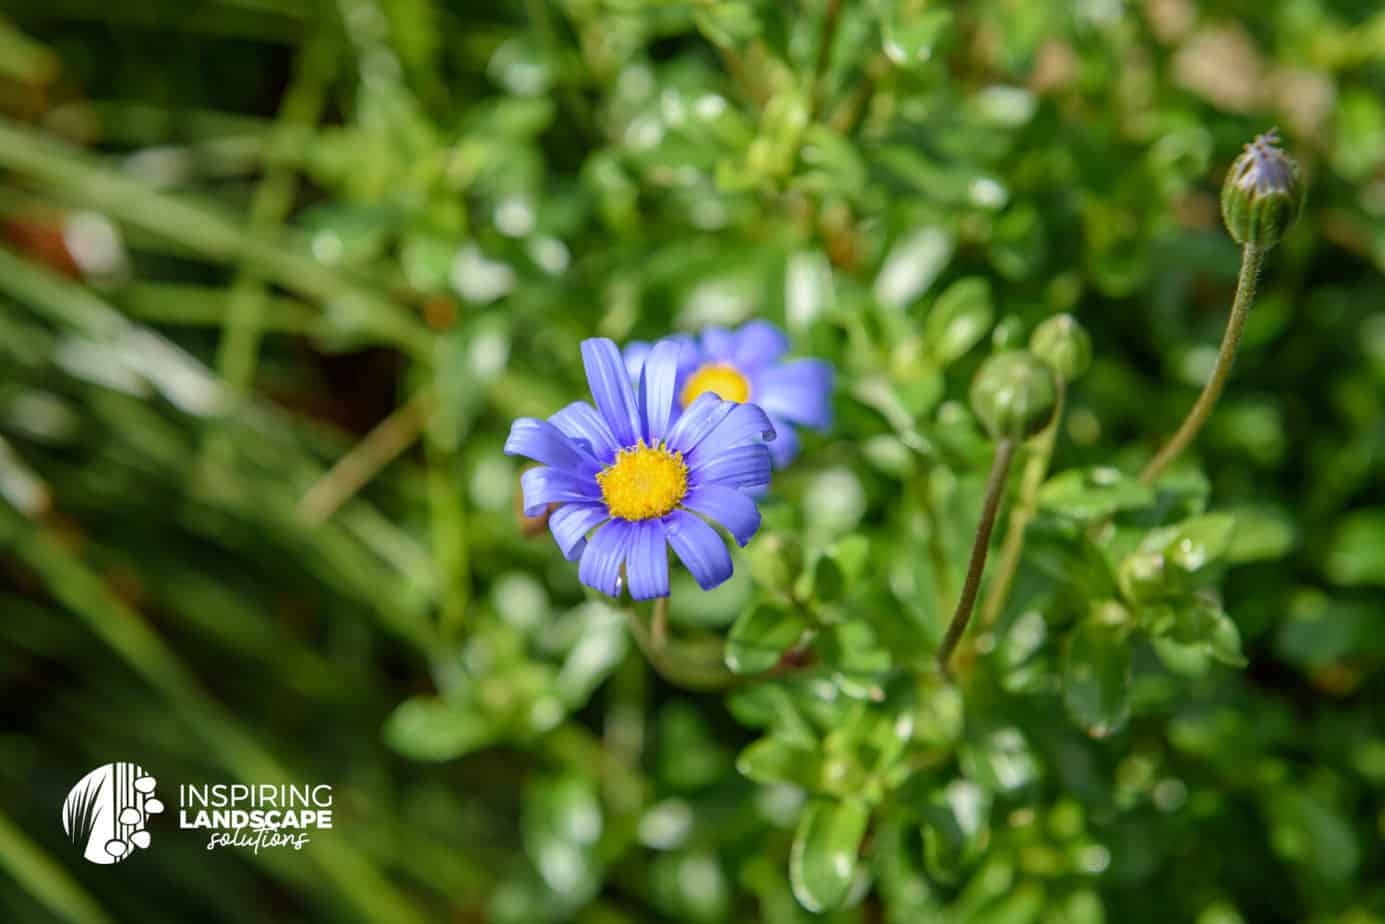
(276, 276)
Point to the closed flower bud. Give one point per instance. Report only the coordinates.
(1063, 344)
(1014, 395)
(1263, 193)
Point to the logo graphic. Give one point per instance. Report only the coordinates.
(104, 814)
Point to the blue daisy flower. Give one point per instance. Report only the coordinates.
(636, 473)
(744, 366)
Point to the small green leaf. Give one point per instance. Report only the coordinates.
(427, 728)
(1200, 542)
(1093, 493)
(954, 829)
(1262, 534)
(850, 555)
(759, 638)
(959, 319)
(780, 760)
(910, 37)
(858, 660)
(837, 570)
(776, 560)
(1096, 677)
(1200, 621)
(825, 851)
(1356, 555)
(348, 234)
(727, 23)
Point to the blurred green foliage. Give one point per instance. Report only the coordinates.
(276, 277)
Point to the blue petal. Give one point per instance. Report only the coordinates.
(745, 425)
(581, 421)
(699, 547)
(610, 385)
(726, 506)
(544, 485)
(657, 384)
(699, 419)
(605, 553)
(646, 565)
(758, 344)
(718, 343)
(784, 449)
(634, 354)
(570, 524)
(743, 467)
(541, 441)
(798, 391)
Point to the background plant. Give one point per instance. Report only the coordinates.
(276, 278)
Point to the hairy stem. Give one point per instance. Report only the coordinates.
(1251, 258)
(995, 486)
(1035, 470)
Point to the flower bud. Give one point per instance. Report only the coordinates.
(1063, 344)
(1014, 394)
(1263, 193)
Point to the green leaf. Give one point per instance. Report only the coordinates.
(427, 728)
(1313, 834)
(1001, 760)
(776, 560)
(727, 23)
(1093, 493)
(954, 829)
(1096, 677)
(1262, 534)
(1199, 621)
(825, 852)
(959, 319)
(759, 638)
(1175, 560)
(348, 234)
(561, 826)
(850, 555)
(909, 38)
(781, 760)
(1356, 555)
(858, 660)
(837, 570)
(1200, 542)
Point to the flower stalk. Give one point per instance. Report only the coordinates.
(995, 486)
(1251, 258)
(1012, 546)
(680, 663)
(1261, 198)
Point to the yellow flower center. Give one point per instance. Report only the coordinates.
(643, 482)
(721, 379)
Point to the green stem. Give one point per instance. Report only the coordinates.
(1035, 470)
(677, 662)
(995, 486)
(659, 624)
(1251, 258)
